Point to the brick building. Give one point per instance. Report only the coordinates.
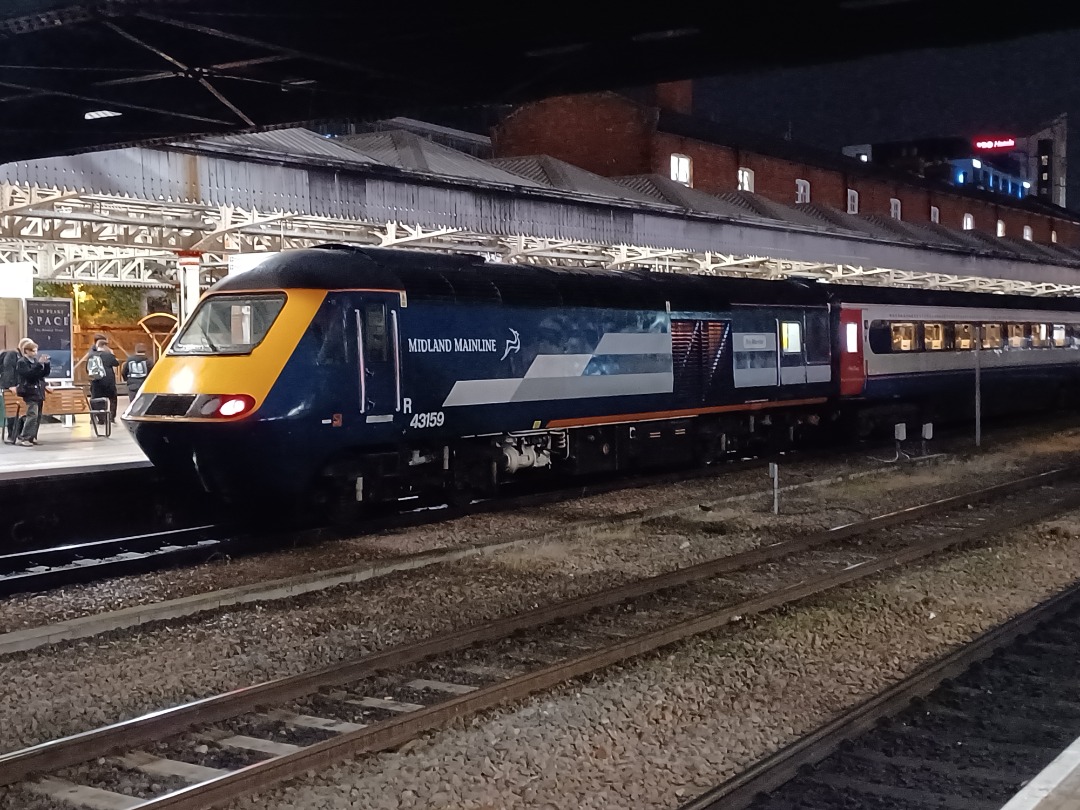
(615, 134)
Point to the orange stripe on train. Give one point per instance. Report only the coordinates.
(654, 415)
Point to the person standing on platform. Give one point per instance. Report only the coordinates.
(9, 379)
(101, 365)
(32, 370)
(135, 370)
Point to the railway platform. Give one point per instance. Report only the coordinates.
(73, 450)
(1057, 787)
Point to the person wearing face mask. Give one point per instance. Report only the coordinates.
(32, 369)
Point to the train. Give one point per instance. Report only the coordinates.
(337, 377)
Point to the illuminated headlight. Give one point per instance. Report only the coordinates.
(224, 406)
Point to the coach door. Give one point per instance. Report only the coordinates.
(792, 359)
(378, 356)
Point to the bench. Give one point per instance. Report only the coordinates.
(64, 402)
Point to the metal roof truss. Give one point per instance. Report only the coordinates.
(102, 239)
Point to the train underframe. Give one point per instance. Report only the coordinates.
(481, 467)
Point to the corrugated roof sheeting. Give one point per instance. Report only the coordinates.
(553, 173)
(295, 142)
(762, 207)
(406, 150)
(668, 191)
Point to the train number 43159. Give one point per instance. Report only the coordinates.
(427, 420)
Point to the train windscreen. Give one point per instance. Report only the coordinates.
(228, 324)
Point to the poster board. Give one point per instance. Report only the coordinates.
(48, 324)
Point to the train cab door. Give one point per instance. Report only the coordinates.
(378, 357)
(792, 359)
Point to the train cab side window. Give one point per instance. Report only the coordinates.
(1017, 333)
(1059, 335)
(962, 337)
(1039, 335)
(791, 337)
(992, 336)
(328, 330)
(934, 337)
(904, 337)
(375, 343)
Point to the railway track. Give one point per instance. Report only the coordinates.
(77, 563)
(965, 732)
(213, 750)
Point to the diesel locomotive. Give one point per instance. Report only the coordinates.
(346, 375)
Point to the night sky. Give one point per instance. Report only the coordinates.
(1000, 88)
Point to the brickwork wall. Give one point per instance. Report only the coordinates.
(601, 133)
(612, 136)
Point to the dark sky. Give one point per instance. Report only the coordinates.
(1001, 88)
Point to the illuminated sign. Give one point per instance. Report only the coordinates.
(995, 143)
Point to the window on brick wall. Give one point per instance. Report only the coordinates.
(969, 222)
(1053, 237)
(746, 179)
(894, 208)
(802, 191)
(681, 169)
(1028, 233)
(1001, 227)
(935, 214)
(852, 201)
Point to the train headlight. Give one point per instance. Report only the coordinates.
(223, 406)
(235, 405)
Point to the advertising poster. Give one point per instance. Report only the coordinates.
(48, 324)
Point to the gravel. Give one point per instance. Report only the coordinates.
(657, 732)
(1013, 454)
(78, 685)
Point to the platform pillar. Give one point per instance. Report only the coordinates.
(190, 285)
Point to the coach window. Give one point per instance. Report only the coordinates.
(1039, 335)
(791, 337)
(1017, 336)
(375, 344)
(934, 336)
(962, 337)
(991, 336)
(879, 336)
(1059, 335)
(903, 337)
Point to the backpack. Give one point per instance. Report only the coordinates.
(137, 368)
(95, 368)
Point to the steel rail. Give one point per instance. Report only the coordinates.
(774, 771)
(53, 755)
(393, 733)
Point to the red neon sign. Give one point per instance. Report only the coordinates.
(995, 143)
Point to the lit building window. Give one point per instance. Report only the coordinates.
(894, 208)
(935, 214)
(680, 169)
(1028, 233)
(746, 179)
(976, 163)
(1053, 237)
(1044, 160)
(852, 201)
(1001, 227)
(969, 222)
(802, 191)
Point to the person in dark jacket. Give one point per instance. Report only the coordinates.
(32, 370)
(9, 379)
(135, 370)
(101, 360)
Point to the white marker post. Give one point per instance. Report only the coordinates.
(774, 474)
(978, 386)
